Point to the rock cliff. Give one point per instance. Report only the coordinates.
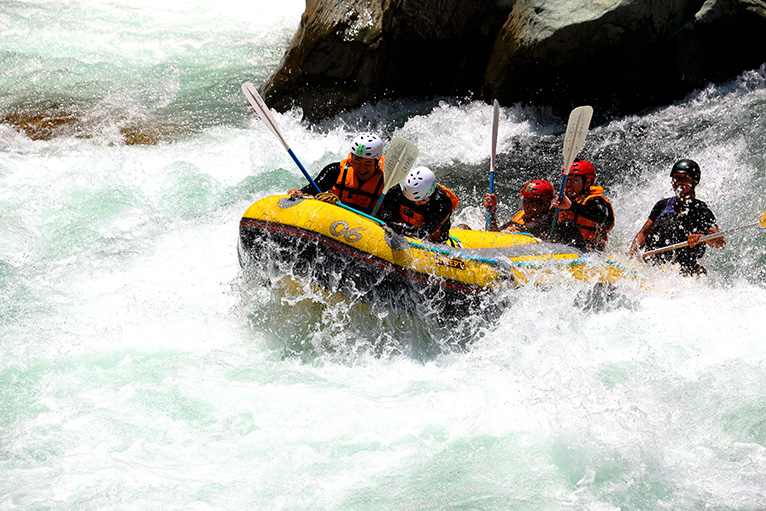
(618, 55)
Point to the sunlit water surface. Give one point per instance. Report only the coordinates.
(139, 369)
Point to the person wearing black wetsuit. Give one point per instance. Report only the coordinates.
(420, 207)
(677, 219)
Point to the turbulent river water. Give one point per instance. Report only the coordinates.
(139, 369)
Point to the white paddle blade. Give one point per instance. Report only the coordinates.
(577, 129)
(399, 160)
(256, 101)
(495, 123)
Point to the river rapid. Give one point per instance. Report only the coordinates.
(140, 369)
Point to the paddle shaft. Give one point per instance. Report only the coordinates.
(263, 112)
(377, 204)
(255, 100)
(707, 237)
(495, 122)
(561, 196)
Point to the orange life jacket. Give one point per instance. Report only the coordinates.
(349, 190)
(518, 218)
(408, 216)
(594, 235)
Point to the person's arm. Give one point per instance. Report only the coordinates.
(325, 180)
(718, 242)
(640, 238)
(509, 226)
(712, 229)
(639, 241)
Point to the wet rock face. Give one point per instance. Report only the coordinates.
(622, 55)
(348, 52)
(618, 55)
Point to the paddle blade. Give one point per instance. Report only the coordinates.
(256, 101)
(399, 160)
(577, 129)
(574, 138)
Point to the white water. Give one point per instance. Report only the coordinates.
(138, 370)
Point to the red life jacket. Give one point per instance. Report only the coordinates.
(360, 196)
(594, 235)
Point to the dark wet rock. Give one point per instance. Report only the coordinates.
(352, 51)
(618, 55)
(622, 56)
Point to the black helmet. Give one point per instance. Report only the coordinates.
(689, 167)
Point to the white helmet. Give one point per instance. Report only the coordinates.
(367, 145)
(419, 184)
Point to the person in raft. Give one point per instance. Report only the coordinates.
(584, 207)
(536, 212)
(357, 180)
(679, 218)
(420, 207)
(536, 215)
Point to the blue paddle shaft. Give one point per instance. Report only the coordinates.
(561, 196)
(377, 204)
(489, 210)
(305, 173)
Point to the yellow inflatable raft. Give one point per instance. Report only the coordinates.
(351, 253)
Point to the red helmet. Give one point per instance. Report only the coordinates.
(539, 189)
(582, 168)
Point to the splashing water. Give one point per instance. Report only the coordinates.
(141, 369)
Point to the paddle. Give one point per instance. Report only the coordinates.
(495, 120)
(577, 129)
(399, 160)
(263, 112)
(761, 222)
